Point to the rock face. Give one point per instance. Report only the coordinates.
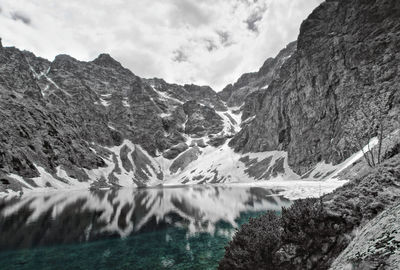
(33, 131)
(248, 83)
(206, 96)
(202, 120)
(347, 54)
(377, 245)
(185, 159)
(174, 151)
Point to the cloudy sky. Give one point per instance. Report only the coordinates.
(207, 42)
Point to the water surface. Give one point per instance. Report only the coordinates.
(154, 228)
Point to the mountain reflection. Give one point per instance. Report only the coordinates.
(79, 216)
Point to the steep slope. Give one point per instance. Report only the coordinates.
(347, 54)
(33, 131)
(234, 94)
(250, 86)
(376, 245)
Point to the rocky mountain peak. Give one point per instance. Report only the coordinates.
(105, 60)
(271, 63)
(158, 83)
(64, 61)
(250, 83)
(207, 96)
(64, 58)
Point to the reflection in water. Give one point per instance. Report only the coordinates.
(63, 217)
(150, 223)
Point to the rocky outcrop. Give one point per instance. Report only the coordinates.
(346, 55)
(201, 120)
(206, 95)
(33, 133)
(174, 151)
(185, 159)
(376, 246)
(235, 95)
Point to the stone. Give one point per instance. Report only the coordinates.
(202, 120)
(174, 151)
(185, 159)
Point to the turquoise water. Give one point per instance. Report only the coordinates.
(174, 228)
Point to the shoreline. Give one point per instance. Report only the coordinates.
(290, 189)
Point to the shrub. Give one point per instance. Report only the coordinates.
(311, 233)
(304, 237)
(311, 237)
(254, 245)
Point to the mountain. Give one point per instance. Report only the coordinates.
(67, 123)
(347, 55)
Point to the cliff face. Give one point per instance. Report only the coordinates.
(375, 246)
(347, 54)
(249, 83)
(31, 130)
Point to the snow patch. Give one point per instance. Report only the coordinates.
(165, 96)
(162, 115)
(230, 127)
(322, 169)
(225, 162)
(125, 102)
(248, 120)
(105, 103)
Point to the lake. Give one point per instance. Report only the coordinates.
(150, 228)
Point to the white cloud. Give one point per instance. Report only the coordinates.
(184, 41)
